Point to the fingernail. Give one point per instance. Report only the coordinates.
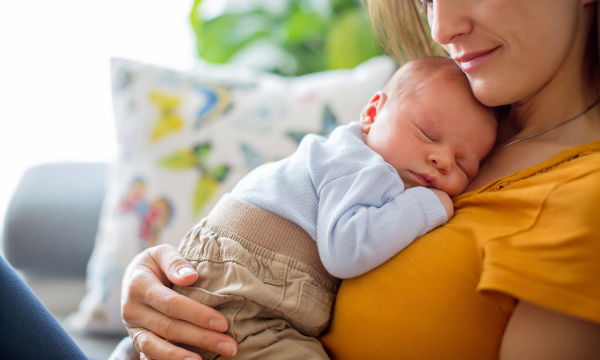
(185, 271)
(226, 349)
(189, 359)
(218, 325)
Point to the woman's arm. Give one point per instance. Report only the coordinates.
(536, 333)
(28, 330)
(148, 303)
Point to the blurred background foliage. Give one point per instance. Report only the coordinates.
(287, 37)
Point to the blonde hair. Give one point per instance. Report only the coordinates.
(403, 31)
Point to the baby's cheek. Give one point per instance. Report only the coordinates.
(457, 186)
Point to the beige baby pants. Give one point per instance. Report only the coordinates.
(265, 275)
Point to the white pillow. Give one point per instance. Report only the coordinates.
(185, 139)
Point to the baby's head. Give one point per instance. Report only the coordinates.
(427, 124)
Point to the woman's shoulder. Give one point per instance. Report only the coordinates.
(574, 191)
(580, 190)
(554, 260)
(570, 181)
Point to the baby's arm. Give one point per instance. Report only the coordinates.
(367, 217)
(446, 202)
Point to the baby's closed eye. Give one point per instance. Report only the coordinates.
(428, 134)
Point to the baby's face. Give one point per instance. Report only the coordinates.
(435, 138)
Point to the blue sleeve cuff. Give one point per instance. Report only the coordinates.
(432, 207)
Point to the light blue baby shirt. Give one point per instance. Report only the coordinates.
(347, 198)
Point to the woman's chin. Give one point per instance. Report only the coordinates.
(489, 92)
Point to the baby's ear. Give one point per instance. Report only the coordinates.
(369, 112)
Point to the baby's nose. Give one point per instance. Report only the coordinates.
(442, 162)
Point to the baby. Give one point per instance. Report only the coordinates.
(270, 255)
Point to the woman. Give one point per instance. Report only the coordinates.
(515, 274)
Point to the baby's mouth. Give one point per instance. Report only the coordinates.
(420, 179)
(424, 179)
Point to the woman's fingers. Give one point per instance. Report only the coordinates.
(149, 303)
(178, 323)
(144, 288)
(153, 347)
(144, 357)
(186, 333)
(177, 269)
(174, 305)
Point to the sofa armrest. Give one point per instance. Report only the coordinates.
(51, 222)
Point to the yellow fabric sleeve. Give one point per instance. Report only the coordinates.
(556, 262)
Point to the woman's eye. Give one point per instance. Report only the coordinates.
(425, 3)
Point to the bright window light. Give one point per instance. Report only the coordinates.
(54, 59)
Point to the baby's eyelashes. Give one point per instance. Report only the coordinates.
(469, 172)
(462, 168)
(428, 135)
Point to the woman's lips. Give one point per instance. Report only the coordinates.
(473, 60)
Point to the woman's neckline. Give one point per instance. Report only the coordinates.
(561, 157)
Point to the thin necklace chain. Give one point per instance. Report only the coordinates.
(548, 129)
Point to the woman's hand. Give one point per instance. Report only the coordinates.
(147, 302)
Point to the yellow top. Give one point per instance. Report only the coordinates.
(533, 235)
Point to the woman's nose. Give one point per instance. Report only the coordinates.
(449, 19)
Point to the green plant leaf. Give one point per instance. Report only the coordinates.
(331, 36)
(196, 21)
(340, 6)
(223, 36)
(301, 26)
(309, 56)
(351, 41)
(183, 159)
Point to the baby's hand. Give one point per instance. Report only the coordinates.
(446, 202)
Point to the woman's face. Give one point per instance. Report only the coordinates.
(509, 49)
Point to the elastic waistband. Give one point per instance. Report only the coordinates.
(269, 231)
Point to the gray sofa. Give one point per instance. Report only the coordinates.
(51, 221)
(49, 232)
